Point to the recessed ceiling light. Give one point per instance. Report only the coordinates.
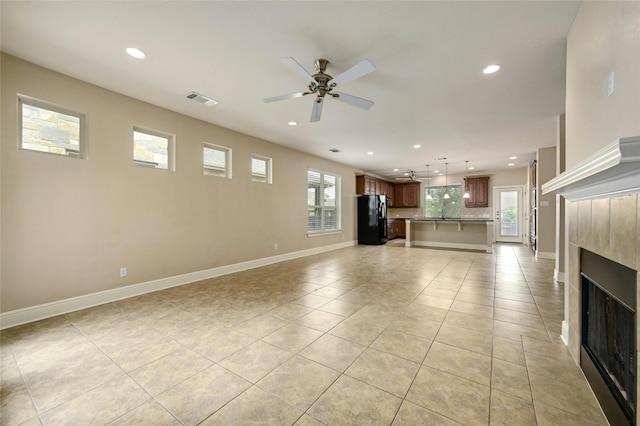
(513, 158)
(417, 146)
(436, 171)
(370, 153)
(136, 53)
(395, 170)
(292, 123)
(511, 164)
(471, 167)
(491, 69)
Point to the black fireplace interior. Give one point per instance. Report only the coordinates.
(608, 353)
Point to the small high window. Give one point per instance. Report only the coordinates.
(154, 149)
(51, 129)
(217, 160)
(260, 169)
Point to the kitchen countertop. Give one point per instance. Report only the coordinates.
(444, 232)
(448, 219)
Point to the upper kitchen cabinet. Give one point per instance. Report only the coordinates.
(478, 188)
(370, 185)
(365, 185)
(407, 194)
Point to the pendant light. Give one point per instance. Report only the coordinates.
(466, 172)
(446, 195)
(429, 197)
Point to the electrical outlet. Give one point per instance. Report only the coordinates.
(275, 246)
(123, 272)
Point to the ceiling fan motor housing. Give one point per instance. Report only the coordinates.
(321, 64)
(322, 79)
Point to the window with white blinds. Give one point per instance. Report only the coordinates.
(323, 207)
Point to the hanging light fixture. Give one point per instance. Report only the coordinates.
(446, 195)
(466, 172)
(429, 197)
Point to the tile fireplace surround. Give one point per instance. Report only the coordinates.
(603, 216)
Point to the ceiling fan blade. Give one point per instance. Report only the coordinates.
(353, 100)
(317, 110)
(298, 69)
(357, 71)
(283, 97)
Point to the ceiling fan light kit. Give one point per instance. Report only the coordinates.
(322, 84)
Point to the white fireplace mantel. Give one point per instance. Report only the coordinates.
(611, 172)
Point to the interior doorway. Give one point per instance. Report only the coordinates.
(509, 214)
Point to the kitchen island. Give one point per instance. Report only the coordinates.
(463, 233)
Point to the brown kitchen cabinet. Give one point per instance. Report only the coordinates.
(478, 188)
(396, 228)
(407, 194)
(365, 185)
(370, 185)
(392, 229)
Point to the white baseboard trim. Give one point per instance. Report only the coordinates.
(462, 246)
(558, 276)
(47, 310)
(546, 255)
(565, 333)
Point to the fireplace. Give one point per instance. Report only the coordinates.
(608, 341)
(603, 217)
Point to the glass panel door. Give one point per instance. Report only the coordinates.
(508, 214)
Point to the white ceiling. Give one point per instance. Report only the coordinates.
(428, 86)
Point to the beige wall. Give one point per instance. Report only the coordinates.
(605, 37)
(69, 225)
(546, 209)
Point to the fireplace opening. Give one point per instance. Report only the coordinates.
(608, 343)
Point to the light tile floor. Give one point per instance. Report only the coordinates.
(364, 335)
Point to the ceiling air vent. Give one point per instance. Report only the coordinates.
(201, 98)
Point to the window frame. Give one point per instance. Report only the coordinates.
(337, 208)
(171, 147)
(268, 169)
(59, 109)
(458, 200)
(227, 160)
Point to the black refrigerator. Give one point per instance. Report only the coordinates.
(372, 219)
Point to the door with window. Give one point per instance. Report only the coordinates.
(508, 216)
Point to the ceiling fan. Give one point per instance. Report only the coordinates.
(412, 176)
(322, 84)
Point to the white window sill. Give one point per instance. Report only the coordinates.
(322, 234)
